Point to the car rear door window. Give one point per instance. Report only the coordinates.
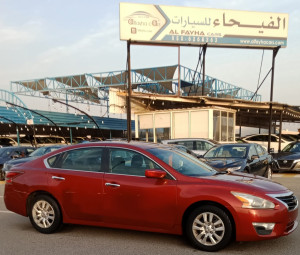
(83, 159)
(188, 144)
(259, 138)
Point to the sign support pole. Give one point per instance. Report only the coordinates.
(128, 98)
(275, 51)
(203, 71)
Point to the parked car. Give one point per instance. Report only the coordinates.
(263, 139)
(197, 145)
(41, 140)
(46, 140)
(288, 159)
(148, 187)
(8, 153)
(6, 141)
(33, 155)
(249, 158)
(185, 149)
(290, 137)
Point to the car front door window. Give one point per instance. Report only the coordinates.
(129, 162)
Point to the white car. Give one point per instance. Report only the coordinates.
(197, 145)
(262, 139)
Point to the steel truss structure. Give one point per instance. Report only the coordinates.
(10, 98)
(93, 88)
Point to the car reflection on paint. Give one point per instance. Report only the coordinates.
(148, 187)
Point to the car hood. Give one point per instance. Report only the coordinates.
(245, 182)
(224, 162)
(287, 155)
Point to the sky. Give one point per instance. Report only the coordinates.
(49, 38)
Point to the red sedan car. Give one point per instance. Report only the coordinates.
(148, 187)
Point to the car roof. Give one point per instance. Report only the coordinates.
(190, 139)
(138, 144)
(234, 144)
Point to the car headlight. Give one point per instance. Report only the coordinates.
(253, 202)
(297, 165)
(4, 166)
(235, 168)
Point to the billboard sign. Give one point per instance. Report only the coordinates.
(188, 25)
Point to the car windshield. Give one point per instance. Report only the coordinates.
(227, 151)
(182, 162)
(292, 147)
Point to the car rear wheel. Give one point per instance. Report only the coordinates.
(45, 215)
(209, 228)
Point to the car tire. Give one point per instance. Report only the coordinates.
(268, 173)
(209, 228)
(45, 215)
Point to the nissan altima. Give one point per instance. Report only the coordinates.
(148, 187)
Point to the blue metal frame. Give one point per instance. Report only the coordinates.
(94, 87)
(10, 97)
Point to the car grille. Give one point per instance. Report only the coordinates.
(291, 201)
(287, 164)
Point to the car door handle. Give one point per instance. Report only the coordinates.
(58, 178)
(112, 184)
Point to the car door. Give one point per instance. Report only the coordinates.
(254, 161)
(264, 159)
(132, 199)
(76, 180)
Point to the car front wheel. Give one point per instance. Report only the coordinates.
(45, 215)
(209, 228)
(268, 173)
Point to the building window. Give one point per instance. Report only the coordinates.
(223, 126)
(145, 127)
(230, 127)
(162, 126)
(216, 120)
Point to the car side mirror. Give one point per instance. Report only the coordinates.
(154, 173)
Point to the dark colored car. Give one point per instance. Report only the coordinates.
(249, 158)
(33, 155)
(148, 187)
(8, 153)
(288, 159)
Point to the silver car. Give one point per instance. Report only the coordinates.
(197, 145)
